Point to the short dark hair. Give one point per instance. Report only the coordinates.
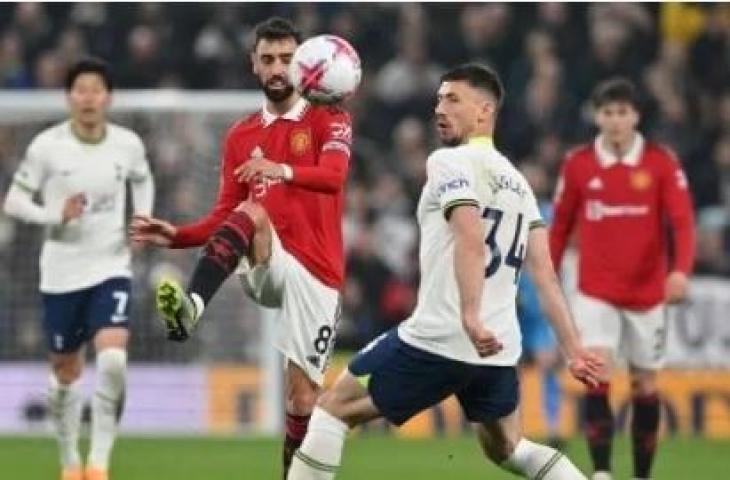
(478, 76)
(617, 89)
(90, 65)
(276, 28)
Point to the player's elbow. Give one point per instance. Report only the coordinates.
(10, 206)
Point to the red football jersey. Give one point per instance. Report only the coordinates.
(620, 209)
(306, 212)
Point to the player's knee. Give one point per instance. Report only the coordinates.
(255, 212)
(301, 402)
(66, 370)
(499, 450)
(112, 361)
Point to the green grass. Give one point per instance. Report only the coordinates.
(366, 458)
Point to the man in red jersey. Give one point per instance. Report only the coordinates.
(277, 222)
(618, 193)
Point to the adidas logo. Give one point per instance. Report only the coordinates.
(314, 360)
(595, 184)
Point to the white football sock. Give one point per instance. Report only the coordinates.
(602, 476)
(538, 462)
(319, 456)
(64, 406)
(111, 372)
(198, 303)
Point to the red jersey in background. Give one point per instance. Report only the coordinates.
(306, 212)
(620, 209)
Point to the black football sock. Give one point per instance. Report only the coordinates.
(221, 255)
(599, 427)
(296, 429)
(644, 429)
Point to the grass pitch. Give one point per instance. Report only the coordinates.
(366, 458)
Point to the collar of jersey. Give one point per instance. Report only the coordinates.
(295, 113)
(84, 140)
(631, 158)
(482, 140)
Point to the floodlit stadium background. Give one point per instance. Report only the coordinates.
(549, 56)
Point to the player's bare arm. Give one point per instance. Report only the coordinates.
(469, 262)
(584, 365)
(147, 230)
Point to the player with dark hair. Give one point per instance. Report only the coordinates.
(617, 193)
(81, 167)
(277, 222)
(479, 223)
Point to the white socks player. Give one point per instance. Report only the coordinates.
(111, 372)
(319, 456)
(539, 462)
(65, 405)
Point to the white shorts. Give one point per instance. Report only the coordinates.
(639, 336)
(308, 310)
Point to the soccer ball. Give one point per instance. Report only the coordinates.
(325, 69)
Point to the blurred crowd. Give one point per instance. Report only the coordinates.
(550, 55)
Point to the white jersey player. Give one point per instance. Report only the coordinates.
(80, 169)
(479, 222)
(477, 175)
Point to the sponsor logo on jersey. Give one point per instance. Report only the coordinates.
(105, 202)
(595, 184)
(596, 210)
(261, 186)
(300, 142)
(640, 180)
(453, 184)
(341, 131)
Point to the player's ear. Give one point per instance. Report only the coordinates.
(488, 109)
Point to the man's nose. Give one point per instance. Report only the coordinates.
(280, 67)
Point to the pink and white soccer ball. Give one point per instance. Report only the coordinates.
(325, 69)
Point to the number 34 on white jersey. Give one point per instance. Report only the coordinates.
(472, 174)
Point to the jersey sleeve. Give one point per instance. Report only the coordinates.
(567, 203)
(532, 211)
(31, 172)
(143, 187)
(333, 131)
(677, 205)
(230, 194)
(139, 168)
(452, 181)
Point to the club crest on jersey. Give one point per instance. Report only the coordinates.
(300, 142)
(640, 180)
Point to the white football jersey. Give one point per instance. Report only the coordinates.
(471, 174)
(92, 248)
